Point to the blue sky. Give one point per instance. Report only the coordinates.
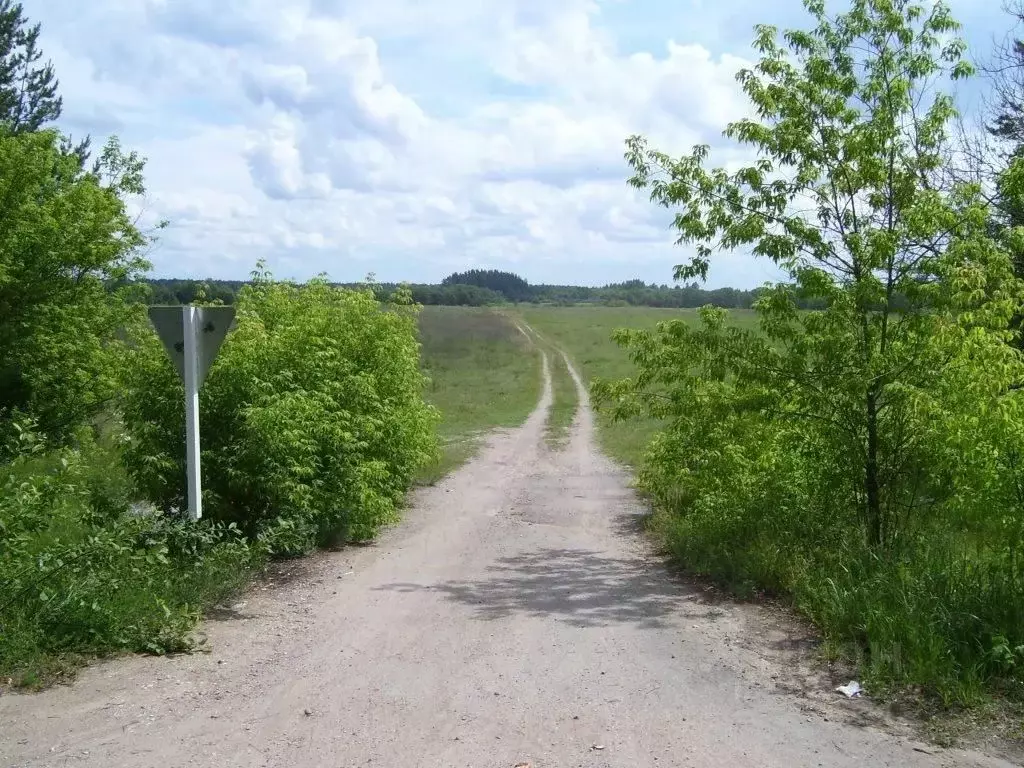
(413, 138)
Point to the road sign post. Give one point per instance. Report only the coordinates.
(195, 496)
(192, 337)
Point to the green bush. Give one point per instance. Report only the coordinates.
(81, 572)
(313, 419)
(760, 500)
(68, 249)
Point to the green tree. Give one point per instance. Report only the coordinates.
(28, 87)
(849, 135)
(987, 157)
(1006, 71)
(511, 285)
(29, 99)
(66, 237)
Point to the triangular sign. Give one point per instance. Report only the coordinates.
(170, 327)
(211, 324)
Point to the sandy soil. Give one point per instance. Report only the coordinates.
(515, 617)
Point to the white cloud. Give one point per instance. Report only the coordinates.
(402, 137)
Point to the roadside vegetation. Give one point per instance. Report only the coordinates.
(314, 420)
(482, 372)
(314, 427)
(864, 458)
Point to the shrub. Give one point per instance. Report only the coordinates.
(760, 500)
(313, 420)
(82, 572)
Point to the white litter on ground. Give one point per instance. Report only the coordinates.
(851, 690)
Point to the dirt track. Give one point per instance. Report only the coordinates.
(514, 617)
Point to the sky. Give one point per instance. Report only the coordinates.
(413, 138)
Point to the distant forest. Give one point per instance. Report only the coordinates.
(484, 287)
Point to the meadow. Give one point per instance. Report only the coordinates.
(585, 333)
(483, 374)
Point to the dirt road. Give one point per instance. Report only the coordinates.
(513, 618)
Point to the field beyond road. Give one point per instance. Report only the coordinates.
(585, 333)
(484, 373)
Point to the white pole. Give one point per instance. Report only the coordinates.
(190, 321)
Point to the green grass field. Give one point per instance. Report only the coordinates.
(486, 374)
(585, 334)
(483, 374)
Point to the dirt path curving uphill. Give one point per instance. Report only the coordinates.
(515, 617)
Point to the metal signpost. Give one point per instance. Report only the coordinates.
(192, 337)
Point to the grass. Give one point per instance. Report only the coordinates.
(484, 373)
(563, 405)
(585, 334)
(563, 393)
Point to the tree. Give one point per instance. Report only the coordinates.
(1006, 71)
(29, 99)
(65, 238)
(511, 285)
(28, 88)
(988, 156)
(849, 135)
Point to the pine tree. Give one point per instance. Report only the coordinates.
(28, 87)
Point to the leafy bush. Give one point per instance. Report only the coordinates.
(760, 498)
(313, 419)
(67, 243)
(81, 572)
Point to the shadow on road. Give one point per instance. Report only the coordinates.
(578, 586)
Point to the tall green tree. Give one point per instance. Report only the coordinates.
(66, 237)
(28, 85)
(988, 157)
(29, 96)
(848, 131)
(1006, 71)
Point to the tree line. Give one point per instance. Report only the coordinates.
(490, 288)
